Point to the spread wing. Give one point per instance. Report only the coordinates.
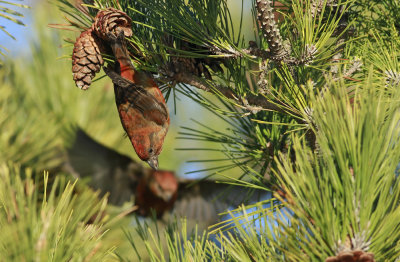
(112, 172)
(203, 201)
(107, 169)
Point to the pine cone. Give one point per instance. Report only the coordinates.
(112, 20)
(86, 59)
(352, 256)
(266, 17)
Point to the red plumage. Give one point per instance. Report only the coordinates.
(160, 190)
(141, 105)
(156, 191)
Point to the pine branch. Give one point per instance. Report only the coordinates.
(48, 212)
(253, 103)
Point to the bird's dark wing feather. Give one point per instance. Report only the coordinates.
(112, 172)
(108, 170)
(117, 79)
(203, 201)
(147, 104)
(139, 98)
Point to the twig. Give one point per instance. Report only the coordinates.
(253, 103)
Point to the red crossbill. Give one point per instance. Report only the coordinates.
(158, 191)
(141, 105)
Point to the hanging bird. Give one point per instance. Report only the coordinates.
(158, 190)
(141, 105)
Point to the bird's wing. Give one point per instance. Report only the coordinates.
(117, 79)
(139, 98)
(107, 169)
(204, 200)
(147, 104)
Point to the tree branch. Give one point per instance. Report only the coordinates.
(253, 103)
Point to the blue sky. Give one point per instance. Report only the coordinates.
(21, 33)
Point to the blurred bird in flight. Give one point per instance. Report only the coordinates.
(157, 190)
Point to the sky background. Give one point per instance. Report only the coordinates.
(21, 33)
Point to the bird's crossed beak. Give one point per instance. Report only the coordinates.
(153, 162)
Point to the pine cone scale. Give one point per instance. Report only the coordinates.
(86, 57)
(93, 59)
(90, 50)
(112, 20)
(352, 256)
(85, 70)
(84, 61)
(93, 67)
(80, 54)
(78, 76)
(76, 68)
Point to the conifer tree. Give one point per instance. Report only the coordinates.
(312, 103)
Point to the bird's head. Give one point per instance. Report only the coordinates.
(148, 144)
(164, 185)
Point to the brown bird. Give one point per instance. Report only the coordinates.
(141, 105)
(156, 190)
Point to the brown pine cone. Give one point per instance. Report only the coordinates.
(112, 20)
(352, 256)
(86, 59)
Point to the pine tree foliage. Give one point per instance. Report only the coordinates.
(56, 218)
(181, 245)
(49, 224)
(41, 109)
(189, 42)
(348, 192)
(313, 105)
(22, 136)
(340, 199)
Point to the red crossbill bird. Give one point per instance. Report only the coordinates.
(141, 105)
(164, 193)
(158, 190)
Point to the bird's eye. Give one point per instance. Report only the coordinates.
(151, 150)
